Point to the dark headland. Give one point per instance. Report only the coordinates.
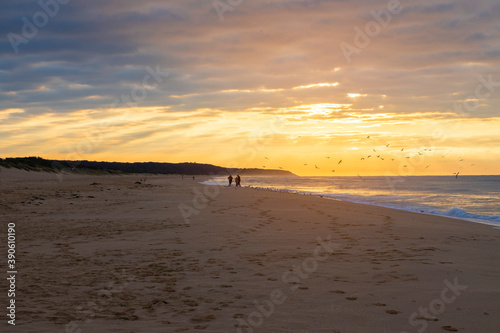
(187, 168)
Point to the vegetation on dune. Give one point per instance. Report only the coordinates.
(40, 164)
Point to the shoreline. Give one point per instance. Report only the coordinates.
(454, 212)
(100, 253)
(479, 221)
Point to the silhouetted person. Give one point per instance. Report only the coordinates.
(230, 178)
(237, 180)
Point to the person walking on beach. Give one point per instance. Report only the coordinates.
(230, 179)
(237, 180)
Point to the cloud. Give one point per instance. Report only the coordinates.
(263, 58)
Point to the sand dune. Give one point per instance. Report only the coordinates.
(102, 254)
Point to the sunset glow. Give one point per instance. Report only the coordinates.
(268, 86)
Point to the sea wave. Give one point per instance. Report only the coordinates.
(461, 213)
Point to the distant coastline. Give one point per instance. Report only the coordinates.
(94, 167)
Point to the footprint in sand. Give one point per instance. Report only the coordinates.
(379, 304)
(337, 291)
(392, 312)
(203, 319)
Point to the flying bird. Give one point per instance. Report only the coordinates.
(456, 174)
(427, 166)
(402, 149)
(266, 158)
(369, 156)
(387, 145)
(362, 158)
(316, 166)
(374, 150)
(333, 170)
(340, 162)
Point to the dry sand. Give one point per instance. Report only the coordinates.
(102, 254)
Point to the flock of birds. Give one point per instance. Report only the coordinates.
(378, 155)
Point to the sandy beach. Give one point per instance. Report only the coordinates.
(103, 254)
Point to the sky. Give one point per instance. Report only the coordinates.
(317, 87)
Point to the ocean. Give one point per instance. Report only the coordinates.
(471, 198)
